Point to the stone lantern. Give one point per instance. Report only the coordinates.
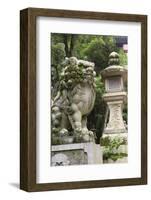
(115, 77)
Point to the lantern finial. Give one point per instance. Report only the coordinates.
(114, 59)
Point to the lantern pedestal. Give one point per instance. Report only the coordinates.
(115, 123)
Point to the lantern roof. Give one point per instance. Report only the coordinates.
(114, 69)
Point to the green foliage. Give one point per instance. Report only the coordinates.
(57, 38)
(113, 142)
(111, 146)
(81, 45)
(122, 57)
(93, 48)
(58, 54)
(57, 57)
(100, 89)
(98, 51)
(114, 156)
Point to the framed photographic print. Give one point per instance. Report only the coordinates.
(83, 99)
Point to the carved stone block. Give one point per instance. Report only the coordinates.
(76, 154)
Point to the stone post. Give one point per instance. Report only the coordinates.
(114, 77)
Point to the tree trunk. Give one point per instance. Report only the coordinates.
(72, 44)
(65, 38)
(69, 42)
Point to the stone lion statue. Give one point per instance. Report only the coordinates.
(74, 101)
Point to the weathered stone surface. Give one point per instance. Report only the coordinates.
(115, 96)
(76, 154)
(72, 157)
(74, 101)
(115, 123)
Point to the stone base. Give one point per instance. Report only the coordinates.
(114, 131)
(76, 154)
(115, 134)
